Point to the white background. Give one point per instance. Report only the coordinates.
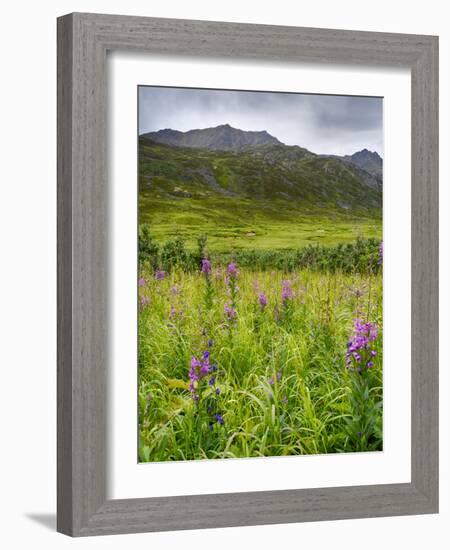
(28, 272)
(127, 479)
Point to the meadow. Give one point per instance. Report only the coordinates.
(258, 351)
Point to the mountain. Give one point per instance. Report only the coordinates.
(249, 190)
(370, 161)
(220, 138)
(271, 174)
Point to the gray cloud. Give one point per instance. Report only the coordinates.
(321, 123)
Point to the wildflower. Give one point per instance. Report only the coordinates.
(145, 301)
(286, 292)
(217, 391)
(278, 376)
(160, 275)
(210, 343)
(193, 371)
(206, 266)
(141, 281)
(212, 380)
(204, 369)
(232, 271)
(219, 418)
(198, 370)
(359, 347)
(271, 381)
(262, 299)
(229, 312)
(175, 290)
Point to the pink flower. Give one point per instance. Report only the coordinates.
(262, 299)
(206, 266)
(232, 270)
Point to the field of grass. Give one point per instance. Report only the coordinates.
(243, 224)
(257, 363)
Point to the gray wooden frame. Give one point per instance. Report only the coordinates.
(83, 40)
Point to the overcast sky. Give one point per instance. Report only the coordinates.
(323, 124)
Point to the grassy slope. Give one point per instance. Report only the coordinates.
(278, 198)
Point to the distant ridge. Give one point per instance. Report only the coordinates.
(370, 161)
(219, 138)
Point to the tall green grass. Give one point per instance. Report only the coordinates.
(284, 386)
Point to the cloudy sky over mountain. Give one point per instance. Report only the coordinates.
(321, 123)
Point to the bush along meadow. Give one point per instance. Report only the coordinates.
(259, 353)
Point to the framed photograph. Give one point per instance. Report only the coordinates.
(247, 274)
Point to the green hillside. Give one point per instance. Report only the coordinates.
(262, 197)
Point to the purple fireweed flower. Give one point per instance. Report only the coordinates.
(262, 299)
(286, 292)
(359, 347)
(175, 290)
(141, 281)
(175, 314)
(198, 370)
(229, 312)
(232, 270)
(204, 370)
(160, 275)
(206, 266)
